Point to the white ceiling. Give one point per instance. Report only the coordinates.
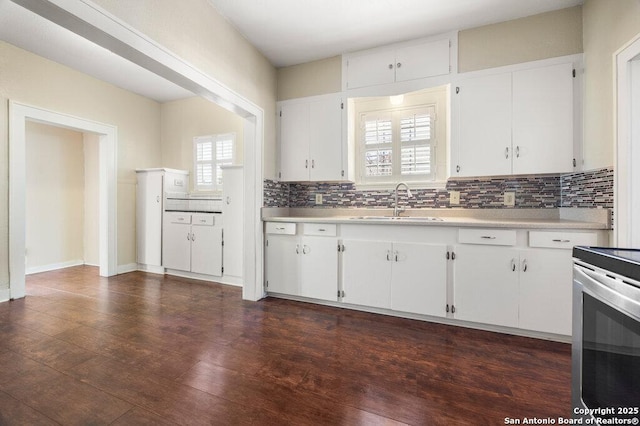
(290, 32)
(22, 28)
(287, 32)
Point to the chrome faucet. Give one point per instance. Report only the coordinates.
(397, 210)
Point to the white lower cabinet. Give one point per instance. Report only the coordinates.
(192, 242)
(486, 284)
(407, 277)
(305, 265)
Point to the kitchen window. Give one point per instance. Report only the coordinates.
(397, 145)
(400, 138)
(209, 154)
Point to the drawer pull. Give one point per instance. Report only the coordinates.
(321, 230)
(279, 229)
(488, 237)
(557, 240)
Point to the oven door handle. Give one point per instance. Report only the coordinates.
(616, 293)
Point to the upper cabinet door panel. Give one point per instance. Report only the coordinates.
(294, 142)
(325, 145)
(543, 120)
(485, 126)
(423, 60)
(371, 69)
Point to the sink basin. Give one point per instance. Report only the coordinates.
(400, 218)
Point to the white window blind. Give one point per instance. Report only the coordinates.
(397, 144)
(210, 153)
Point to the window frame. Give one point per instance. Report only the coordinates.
(215, 163)
(396, 114)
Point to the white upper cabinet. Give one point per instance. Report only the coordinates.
(543, 120)
(400, 63)
(519, 122)
(485, 126)
(312, 145)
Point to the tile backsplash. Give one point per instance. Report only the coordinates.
(584, 189)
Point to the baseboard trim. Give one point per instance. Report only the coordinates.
(53, 267)
(5, 295)
(153, 269)
(131, 267)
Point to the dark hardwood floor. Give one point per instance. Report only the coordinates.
(146, 349)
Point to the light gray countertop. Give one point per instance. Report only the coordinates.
(563, 218)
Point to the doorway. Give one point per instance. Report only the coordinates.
(106, 135)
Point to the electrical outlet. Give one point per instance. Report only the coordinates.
(454, 197)
(318, 199)
(510, 199)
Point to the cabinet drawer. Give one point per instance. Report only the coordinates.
(494, 237)
(203, 219)
(562, 239)
(320, 229)
(179, 217)
(280, 228)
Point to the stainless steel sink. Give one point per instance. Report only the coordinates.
(400, 218)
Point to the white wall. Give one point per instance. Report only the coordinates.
(54, 197)
(91, 199)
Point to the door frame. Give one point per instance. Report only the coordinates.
(627, 149)
(19, 115)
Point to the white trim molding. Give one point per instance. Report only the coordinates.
(19, 114)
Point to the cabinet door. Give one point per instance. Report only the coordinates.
(294, 142)
(486, 284)
(484, 126)
(176, 246)
(149, 218)
(319, 268)
(233, 213)
(423, 60)
(206, 249)
(545, 290)
(281, 267)
(325, 139)
(371, 69)
(366, 273)
(419, 278)
(543, 120)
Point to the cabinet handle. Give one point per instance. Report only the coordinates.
(313, 164)
(506, 153)
(321, 230)
(399, 64)
(395, 254)
(388, 255)
(561, 241)
(158, 199)
(193, 237)
(279, 229)
(390, 66)
(513, 265)
(524, 265)
(306, 164)
(305, 249)
(488, 237)
(228, 200)
(297, 248)
(457, 169)
(188, 237)
(517, 152)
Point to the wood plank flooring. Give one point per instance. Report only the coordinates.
(144, 349)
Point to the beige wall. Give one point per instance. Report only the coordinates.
(313, 78)
(196, 32)
(542, 36)
(185, 119)
(54, 196)
(608, 25)
(32, 80)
